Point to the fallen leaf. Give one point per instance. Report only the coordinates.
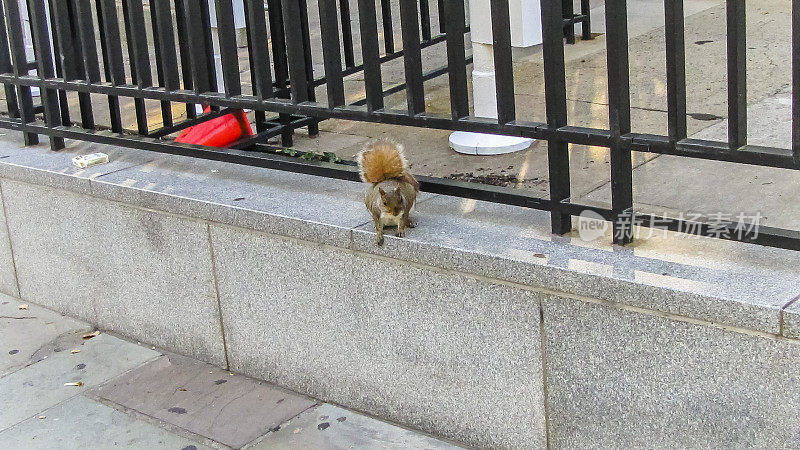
(296, 430)
(23, 306)
(42, 417)
(74, 383)
(91, 335)
(75, 350)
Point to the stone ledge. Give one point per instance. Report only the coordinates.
(694, 278)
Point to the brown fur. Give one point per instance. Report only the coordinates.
(393, 189)
(382, 160)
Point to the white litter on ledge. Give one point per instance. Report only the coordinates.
(91, 159)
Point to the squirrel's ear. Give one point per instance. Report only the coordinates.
(383, 193)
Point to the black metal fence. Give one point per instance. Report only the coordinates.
(283, 87)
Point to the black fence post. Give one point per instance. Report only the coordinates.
(44, 68)
(676, 70)
(20, 64)
(619, 119)
(412, 57)
(503, 62)
(7, 67)
(737, 73)
(556, 109)
(796, 82)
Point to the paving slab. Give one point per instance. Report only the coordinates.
(621, 379)
(333, 428)
(695, 277)
(204, 399)
(84, 423)
(29, 335)
(39, 386)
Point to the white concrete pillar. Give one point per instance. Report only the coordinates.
(526, 31)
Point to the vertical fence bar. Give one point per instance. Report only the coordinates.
(456, 58)
(737, 73)
(619, 118)
(44, 67)
(196, 46)
(186, 62)
(586, 25)
(20, 63)
(70, 57)
(503, 66)
(298, 79)
(425, 19)
(111, 47)
(166, 56)
(347, 33)
(7, 67)
(64, 50)
(330, 53)
(796, 82)
(280, 64)
(388, 32)
(83, 11)
(568, 12)
(313, 126)
(676, 70)
(441, 9)
(259, 52)
(166, 110)
(370, 54)
(555, 88)
(62, 94)
(84, 98)
(278, 43)
(227, 48)
(133, 16)
(208, 45)
(412, 57)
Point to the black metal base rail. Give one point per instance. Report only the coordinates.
(281, 60)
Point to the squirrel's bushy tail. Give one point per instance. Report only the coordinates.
(382, 160)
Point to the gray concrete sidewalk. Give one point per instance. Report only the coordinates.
(134, 396)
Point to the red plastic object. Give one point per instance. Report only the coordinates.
(218, 132)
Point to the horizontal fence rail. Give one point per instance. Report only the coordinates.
(159, 55)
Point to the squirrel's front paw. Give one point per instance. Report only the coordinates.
(400, 233)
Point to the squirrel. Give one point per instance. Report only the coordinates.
(393, 189)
